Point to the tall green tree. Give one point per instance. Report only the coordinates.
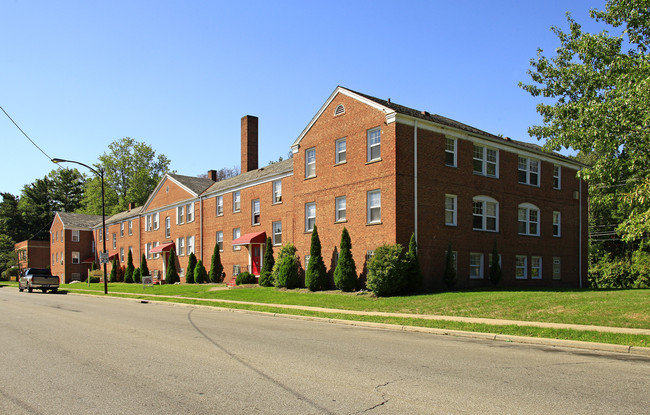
(144, 269)
(35, 206)
(316, 274)
(114, 266)
(189, 272)
(596, 99)
(128, 274)
(345, 273)
(171, 275)
(216, 268)
(66, 189)
(12, 223)
(7, 256)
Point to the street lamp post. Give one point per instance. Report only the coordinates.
(99, 173)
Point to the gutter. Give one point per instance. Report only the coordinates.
(415, 178)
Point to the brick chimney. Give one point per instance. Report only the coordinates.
(248, 143)
(212, 175)
(131, 206)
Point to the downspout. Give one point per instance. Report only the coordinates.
(415, 178)
(580, 230)
(201, 226)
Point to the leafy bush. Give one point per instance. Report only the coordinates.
(287, 250)
(641, 267)
(94, 280)
(316, 274)
(287, 272)
(10, 272)
(631, 272)
(245, 278)
(216, 268)
(200, 274)
(137, 278)
(345, 273)
(386, 271)
(266, 279)
(189, 272)
(412, 266)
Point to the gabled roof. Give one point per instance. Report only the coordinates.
(253, 176)
(78, 220)
(127, 214)
(196, 184)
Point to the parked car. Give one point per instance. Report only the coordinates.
(39, 278)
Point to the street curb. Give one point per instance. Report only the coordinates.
(600, 347)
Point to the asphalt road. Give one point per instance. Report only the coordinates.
(69, 354)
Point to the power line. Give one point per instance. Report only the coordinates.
(21, 130)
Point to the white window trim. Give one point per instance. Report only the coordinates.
(189, 213)
(122, 230)
(557, 215)
(525, 267)
(156, 221)
(559, 176)
(307, 217)
(180, 215)
(337, 211)
(480, 268)
(180, 246)
(130, 227)
(189, 245)
(236, 233)
(528, 171)
(168, 227)
(75, 255)
(484, 161)
(484, 200)
(236, 201)
(337, 153)
(219, 205)
(75, 235)
(254, 212)
(454, 210)
(369, 146)
(532, 267)
(122, 254)
(219, 238)
(308, 163)
(273, 227)
(528, 207)
(369, 207)
(454, 152)
(277, 191)
(557, 261)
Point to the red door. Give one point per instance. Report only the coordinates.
(257, 259)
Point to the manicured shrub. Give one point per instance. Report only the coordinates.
(120, 273)
(316, 274)
(287, 250)
(450, 269)
(216, 268)
(144, 269)
(386, 271)
(128, 274)
(113, 275)
(345, 273)
(93, 266)
(413, 271)
(266, 276)
(137, 278)
(495, 273)
(189, 272)
(287, 272)
(245, 278)
(171, 276)
(94, 280)
(200, 274)
(266, 279)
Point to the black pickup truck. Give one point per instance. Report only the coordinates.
(39, 278)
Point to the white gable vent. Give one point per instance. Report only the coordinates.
(340, 109)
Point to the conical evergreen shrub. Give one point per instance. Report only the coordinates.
(189, 272)
(113, 276)
(200, 274)
(316, 275)
(144, 269)
(266, 275)
(128, 274)
(413, 271)
(171, 276)
(137, 278)
(216, 268)
(450, 269)
(345, 274)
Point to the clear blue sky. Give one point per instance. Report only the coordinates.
(179, 75)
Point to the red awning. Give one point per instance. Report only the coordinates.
(112, 256)
(88, 260)
(162, 248)
(250, 238)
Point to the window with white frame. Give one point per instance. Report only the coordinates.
(156, 221)
(157, 254)
(374, 144)
(236, 199)
(131, 227)
(528, 217)
(450, 210)
(528, 170)
(557, 177)
(536, 267)
(486, 214)
(341, 208)
(190, 245)
(374, 206)
(557, 224)
(475, 266)
(114, 240)
(219, 205)
(450, 151)
(220, 240)
(122, 230)
(236, 234)
(189, 213)
(277, 191)
(255, 212)
(122, 254)
(369, 255)
(75, 235)
(168, 227)
(236, 269)
(148, 250)
(521, 267)
(180, 246)
(486, 161)
(341, 152)
(310, 216)
(75, 257)
(148, 223)
(57, 257)
(277, 233)
(180, 215)
(310, 162)
(100, 234)
(557, 268)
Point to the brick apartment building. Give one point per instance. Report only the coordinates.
(383, 171)
(72, 245)
(32, 254)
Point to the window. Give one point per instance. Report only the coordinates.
(148, 223)
(235, 201)
(277, 191)
(475, 266)
(277, 233)
(148, 250)
(528, 171)
(536, 267)
(75, 257)
(168, 227)
(190, 213)
(53, 234)
(190, 245)
(100, 234)
(220, 240)
(374, 206)
(486, 161)
(57, 235)
(521, 267)
(156, 221)
(486, 212)
(557, 268)
(236, 269)
(310, 162)
(528, 219)
(236, 234)
(369, 255)
(374, 144)
(557, 177)
(340, 209)
(57, 257)
(450, 152)
(157, 254)
(450, 210)
(75, 235)
(122, 230)
(307, 257)
(340, 151)
(219, 205)
(130, 227)
(255, 211)
(114, 240)
(340, 109)
(310, 216)
(557, 224)
(122, 254)
(180, 246)
(180, 215)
